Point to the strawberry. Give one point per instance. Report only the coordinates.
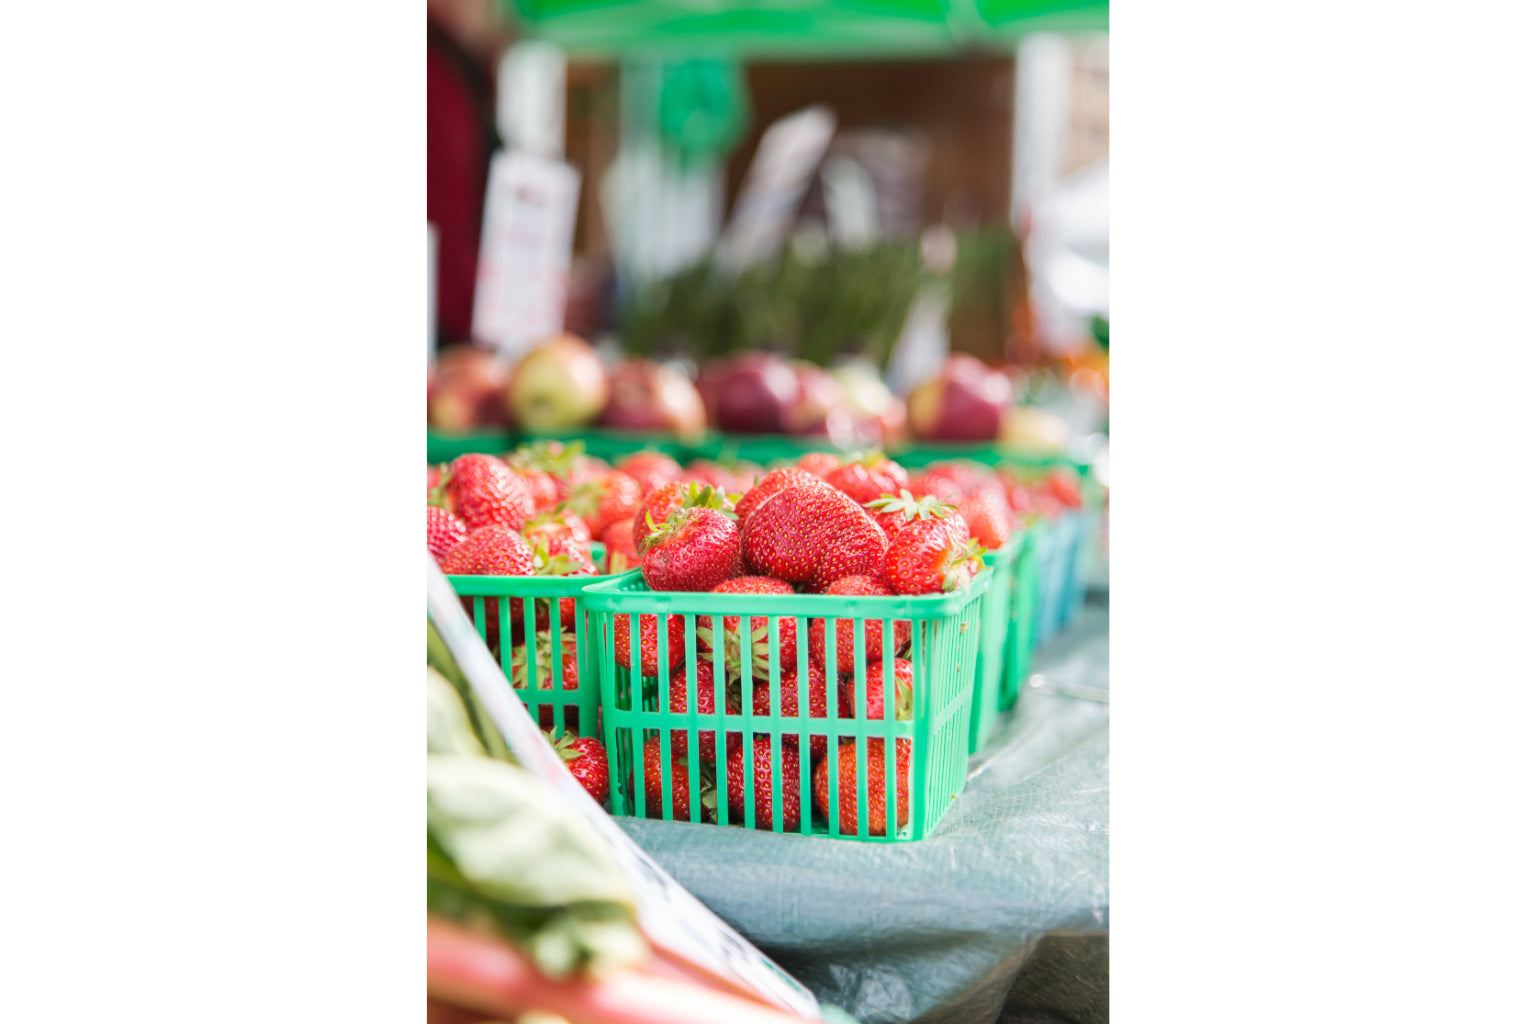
(650, 647)
(730, 629)
(866, 477)
(544, 672)
(444, 531)
(605, 501)
(987, 521)
(874, 797)
(660, 503)
(928, 556)
(482, 490)
(682, 802)
(770, 485)
(724, 478)
(697, 549)
(677, 703)
(587, 762)
(582, 469)
(763, 784)
(874, 629)
(649, 469)
(874, 696)
(892, 512)
(789, 702)
(940, 485)
(811, 534)
(561, 531)
(619, 540)
(1065, 488)
(571, 563)
(434, 477)
(818, 463)
(540, 465)
(490, 551)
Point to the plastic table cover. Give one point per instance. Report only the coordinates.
(1002, 914)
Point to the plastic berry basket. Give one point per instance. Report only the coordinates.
(507, 609)
(945, 634)
(1019, 653)
(763, 449)
(997, 611)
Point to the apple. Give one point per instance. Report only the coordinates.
(752, 393)
(965, 402)
(465, 389)
(653, 397)
(558, 386)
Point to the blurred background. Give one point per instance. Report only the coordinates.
(812, 213)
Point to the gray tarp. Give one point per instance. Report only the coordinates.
(948, 930)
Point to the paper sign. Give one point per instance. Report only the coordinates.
(776, 181)
(671, 916)
(525, 251)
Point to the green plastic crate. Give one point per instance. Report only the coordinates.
(604, 444)
(445, 447)
(1019, 654)
(986, 452)
(506, 608)
(997, 624)
(946, 631)
(763, 449)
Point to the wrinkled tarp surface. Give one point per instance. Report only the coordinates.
(948, 930)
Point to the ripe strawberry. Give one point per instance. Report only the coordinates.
(543, 673)
(581, 469)
(938, 484)
(697, 549)
(444, 531)
(763, 784)
(874, 696)
(587, 762)
(605, 501)
(892, 512)
(650, 648)
(730, 629)
(571, 563)
(541, 488)
(434, 477)
(866, 477)
(818, 463)
(482, 490)
(541, 464)
(770, 485)
(561, 531)
(812, 534)
(789, 702)
(987, 522)
(874, 629)
(490, 551)
(1065, 488)
(619, 540)
(649, 469)
(874, 798)
(660, 503)
(727, 479)
(928, 557)
(682, 803)
(677, 703)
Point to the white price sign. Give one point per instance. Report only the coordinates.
(671, 916)
(525, 251)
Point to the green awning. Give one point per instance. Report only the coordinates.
(801, 28)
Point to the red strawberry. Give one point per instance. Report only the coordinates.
(812, 534)
(1065, 488)
(789, 702)
(677, 703)
(541, 488)
(874, 696)
(444, 531)
(818, 463)
(874, 629)
(892, 512)
(434, 477)
(730, 628)
(605, 501)
(763, 784)
(874, 798)
(582, 469)
(867, 477)
(543, 673)
(682, 803)
(770, 485)
(561, 531)
(490, 551)
(541, 464)
(660, 503)
(619, 540)
(726, 479)
(572, 563)
(650, 648)
(987, 522)
(649, 469)
(928, 556)
(482, 490)
(587, 762)
(697, 549)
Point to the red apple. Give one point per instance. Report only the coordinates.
(751, 395)
(465, 389)
(558, 386)
(653, 397)
(965, 402)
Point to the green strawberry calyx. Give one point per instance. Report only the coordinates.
(439, 495)
(962, 565)
(926, 507)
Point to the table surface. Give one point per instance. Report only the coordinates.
(941, 931)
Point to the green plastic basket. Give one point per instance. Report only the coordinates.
(505, 612)
(986, 452)
(604, 444)
(946, 630)
(445, 447)
(763, 449)
(997, 625)
(1019, 653)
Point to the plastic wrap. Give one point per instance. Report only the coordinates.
(939, 931)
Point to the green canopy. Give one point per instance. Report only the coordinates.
(801, 28)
